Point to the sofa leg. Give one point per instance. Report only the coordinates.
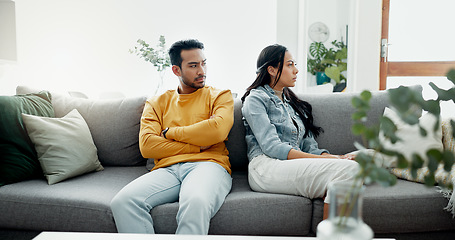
(325, 213)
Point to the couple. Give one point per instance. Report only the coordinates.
(184, 131)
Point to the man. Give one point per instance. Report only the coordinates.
(184, 131)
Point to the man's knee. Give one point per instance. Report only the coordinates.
(119, 201)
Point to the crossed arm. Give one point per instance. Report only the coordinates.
(193, 138)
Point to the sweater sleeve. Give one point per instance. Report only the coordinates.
(255, 113)
(151, 144)
(211, 131)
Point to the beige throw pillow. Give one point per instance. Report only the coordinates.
(64, 145)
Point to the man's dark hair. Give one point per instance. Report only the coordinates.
(177, 47)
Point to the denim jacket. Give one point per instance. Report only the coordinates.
(273, 127)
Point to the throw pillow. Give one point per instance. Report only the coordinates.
(113, 123)
(412, 142)
(18, 158)
(447, 138)
(64, 145)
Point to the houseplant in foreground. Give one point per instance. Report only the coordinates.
(157, 56)
(407, 104)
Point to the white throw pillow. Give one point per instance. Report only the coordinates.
(64, 145)
(412, 142)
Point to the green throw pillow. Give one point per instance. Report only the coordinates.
(18, 158)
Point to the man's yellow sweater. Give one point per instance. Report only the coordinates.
(202, 118)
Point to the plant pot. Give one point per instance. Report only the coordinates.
(345, 214)
(339, 87)
(321, 78)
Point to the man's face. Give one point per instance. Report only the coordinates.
(192, 74)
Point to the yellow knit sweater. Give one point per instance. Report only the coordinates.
(188, 117)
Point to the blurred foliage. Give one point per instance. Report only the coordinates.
(408, 104)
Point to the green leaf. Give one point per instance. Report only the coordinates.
(434, 157)
(334, 73)
(429, 180)
(385, 178)
(358, 128)
(451, 75)
(401, 161)
(443, 95)
(361, 159)
(417, 162)
(448, 158)
(452, 124)
(423, 132)
(359, 116)
(432, 106)
(342, 66)
(366, 95)
(328, 61)
(409, 118)
(317, 50)
(342, 54)
(389, 128)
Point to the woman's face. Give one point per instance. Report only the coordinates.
(289, 73)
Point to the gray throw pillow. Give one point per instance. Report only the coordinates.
(64, 145)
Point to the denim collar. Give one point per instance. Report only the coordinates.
(269, 90)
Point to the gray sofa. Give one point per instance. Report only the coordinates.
(406, 211)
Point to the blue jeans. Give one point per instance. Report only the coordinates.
(199, 187)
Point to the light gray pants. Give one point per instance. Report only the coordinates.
(200, 188)
(308, 177)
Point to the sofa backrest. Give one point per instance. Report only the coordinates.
(333, 113)
(113, 123)
(236, 143)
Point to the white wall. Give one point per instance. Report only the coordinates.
(82, 45)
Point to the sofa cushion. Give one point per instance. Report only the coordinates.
(248, 213)
(64, 145)
(76, 204)
(405, 207)
(113, 123)
(79, 205)
(18, 158)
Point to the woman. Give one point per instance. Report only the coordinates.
(284, 156)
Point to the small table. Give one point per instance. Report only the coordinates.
(123, 236)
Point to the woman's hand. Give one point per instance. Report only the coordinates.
(346, 156)
(349, 156)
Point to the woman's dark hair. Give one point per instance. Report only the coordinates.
(177, 47)
(273, 55)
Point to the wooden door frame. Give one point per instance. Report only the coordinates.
(386, 68)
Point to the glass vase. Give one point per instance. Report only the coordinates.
(345, 214)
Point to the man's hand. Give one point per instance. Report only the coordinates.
(205, 147)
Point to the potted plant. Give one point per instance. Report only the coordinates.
(335, 59)
(157, 56)
(328, 64)
(315, 66)
(405, 101)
